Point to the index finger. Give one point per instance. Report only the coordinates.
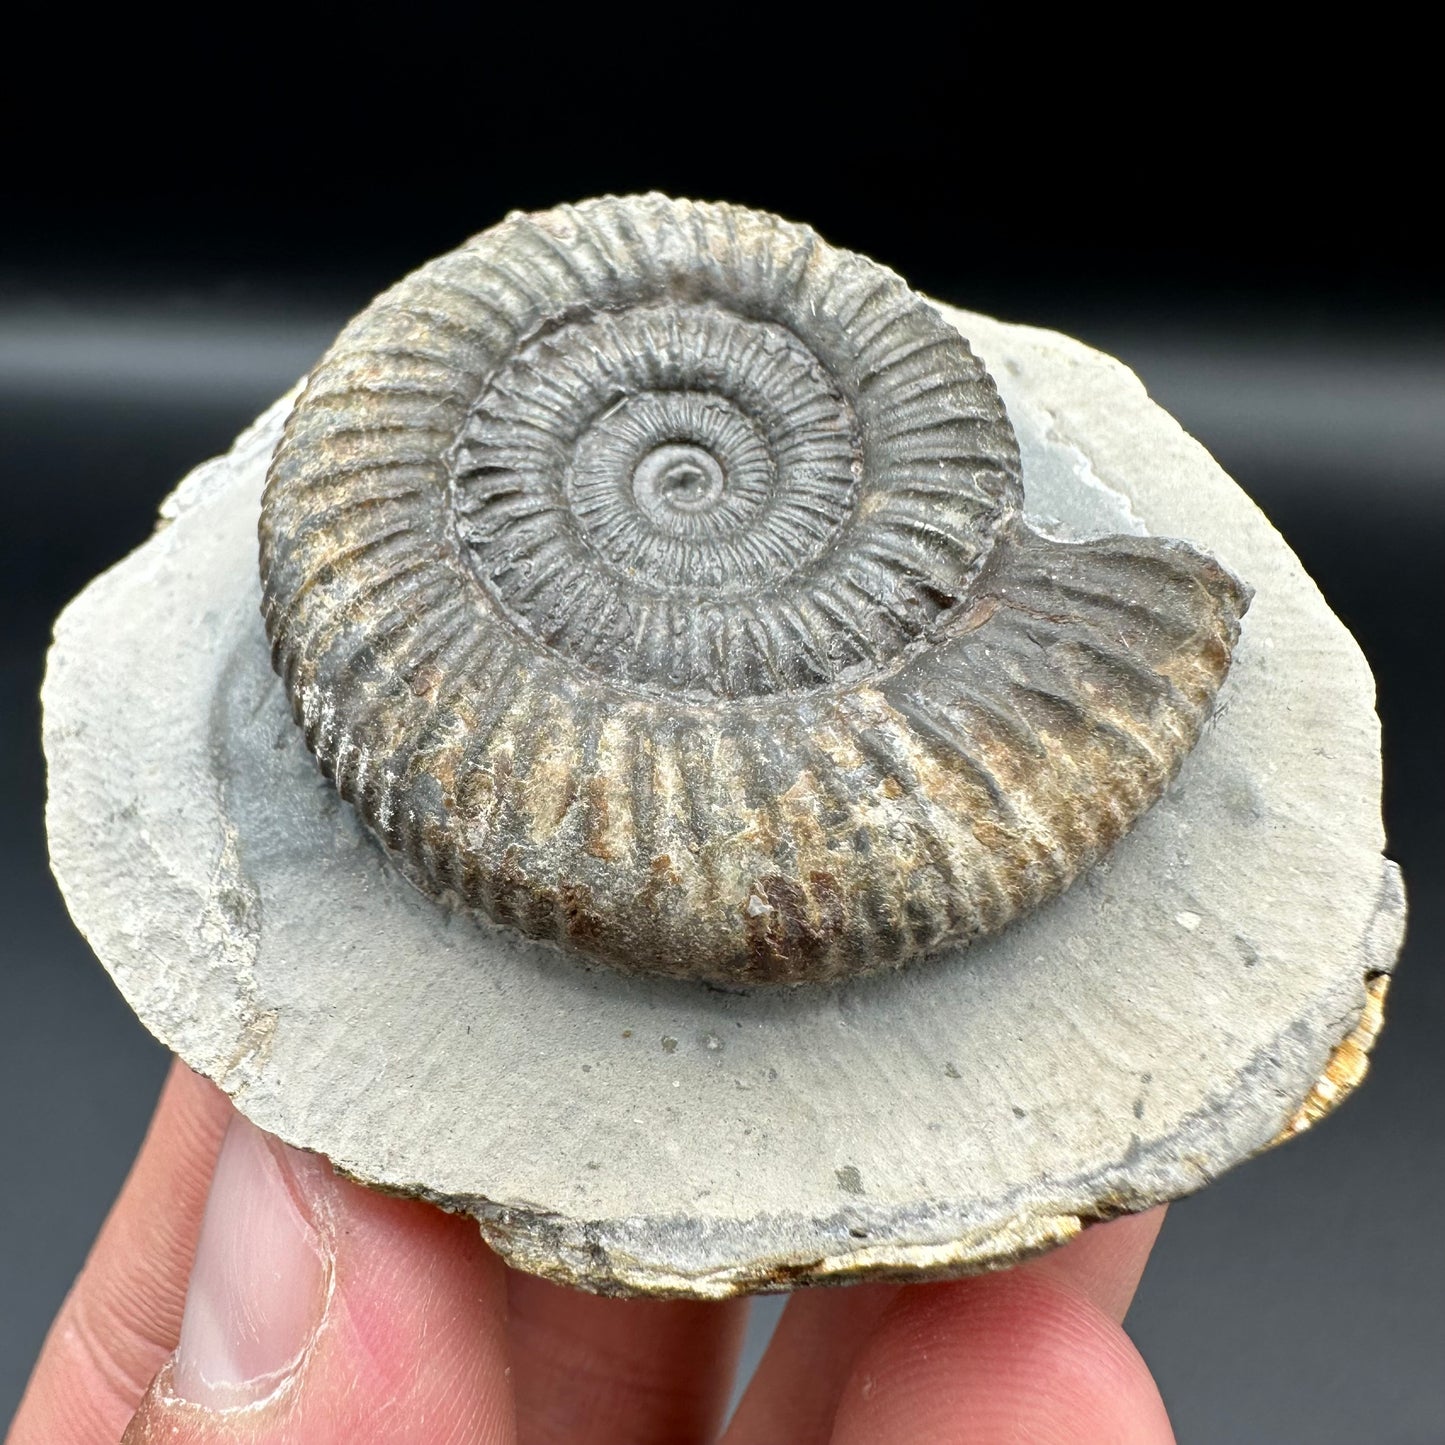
(824, 1333)
(1035, 1353)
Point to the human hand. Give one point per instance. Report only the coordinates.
(242, 1294)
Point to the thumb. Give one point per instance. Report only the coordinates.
(318, 1311)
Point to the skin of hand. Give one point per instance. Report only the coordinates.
(240, 1293)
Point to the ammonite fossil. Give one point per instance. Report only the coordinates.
(651, 576)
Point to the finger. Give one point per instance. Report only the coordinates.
(122, 1317)
(1021, 1355)
(590, 1371)
(794, 1394)
(1106, 1261)
(322, 1312)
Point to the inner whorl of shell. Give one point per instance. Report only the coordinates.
(650, 576)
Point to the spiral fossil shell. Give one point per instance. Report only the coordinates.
(651, 576)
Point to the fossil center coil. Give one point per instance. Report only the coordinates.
(682, 496)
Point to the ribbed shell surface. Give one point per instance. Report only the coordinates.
(649, 575)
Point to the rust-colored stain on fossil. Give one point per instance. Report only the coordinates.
(1348, 1064)
(651, 529)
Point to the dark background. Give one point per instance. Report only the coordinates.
(191, 213)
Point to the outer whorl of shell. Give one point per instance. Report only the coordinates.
(650, 576)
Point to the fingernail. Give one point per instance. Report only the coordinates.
(259, 1282)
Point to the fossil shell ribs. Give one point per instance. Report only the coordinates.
(650, 576)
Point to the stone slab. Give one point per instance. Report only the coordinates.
(1210, 988)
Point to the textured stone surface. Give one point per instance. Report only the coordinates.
(1198, 996)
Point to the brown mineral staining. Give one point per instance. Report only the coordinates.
(651, 576)
(1348, 1064)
